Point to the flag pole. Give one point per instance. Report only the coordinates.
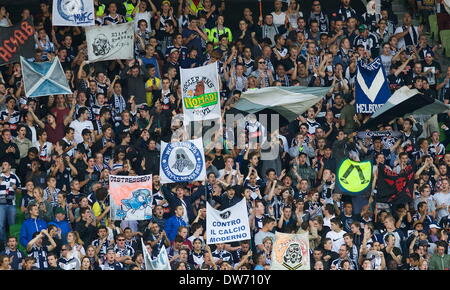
(260, 8)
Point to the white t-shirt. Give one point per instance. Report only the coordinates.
(337, 239)
(79, 127)
(147, 15)
(279, 19)
(440, 198)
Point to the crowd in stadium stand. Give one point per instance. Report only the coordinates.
(58, 151)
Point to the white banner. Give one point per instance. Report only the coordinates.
(229, 225)
(109, 42)
(290, 252)
(131, 197)
(201, 93)
(182, 161)
(160, 263)
(73, 13)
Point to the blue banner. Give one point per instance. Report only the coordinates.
(372, 90)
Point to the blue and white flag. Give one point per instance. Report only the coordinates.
(44, 78)
(182, 161)
(161, 262)
(73, 13)
(372, 90)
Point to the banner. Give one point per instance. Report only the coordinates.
(131, 197)
(73, 13)
(395, 188)
(16, 41)
(110, 42)
(44, 78)
(201, 93)
(160, 263)
(290, 252)
(182, 161)
(229, 225)
(354, 177)
(405, 102)
(372, 89)
(374, 134)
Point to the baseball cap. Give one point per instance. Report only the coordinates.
(434, 226)
(173, 50)
(362, 27)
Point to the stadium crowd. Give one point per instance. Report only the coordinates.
(57, 151)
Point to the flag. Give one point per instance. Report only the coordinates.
(182, 161)
(201, 93)
(372, 89)
(290, 252)
(395, 188)
(161, 262)
(405, 101)
(287, 101)
(73, 13)
(131, 197)
(228, 225)
(110, 42)
(16, 41)
(354, 177)
(44, 78)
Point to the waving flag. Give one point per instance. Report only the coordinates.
(182, 161)
(44, 78)
(287, 101)
(372, 89)
(161, 262)
(405, 101)
(395, 188)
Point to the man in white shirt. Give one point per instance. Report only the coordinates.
(81, 124)
(407, 34)
(336, 234)
(442, 200)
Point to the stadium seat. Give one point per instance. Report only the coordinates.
(434, 30)
(445, 40)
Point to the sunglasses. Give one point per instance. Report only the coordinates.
(261, 62)
(121, 240)
(63, 250)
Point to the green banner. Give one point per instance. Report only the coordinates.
(201, 101)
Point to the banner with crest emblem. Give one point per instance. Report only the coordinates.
(290, 252)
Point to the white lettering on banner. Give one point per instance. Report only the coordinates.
(368, 108)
